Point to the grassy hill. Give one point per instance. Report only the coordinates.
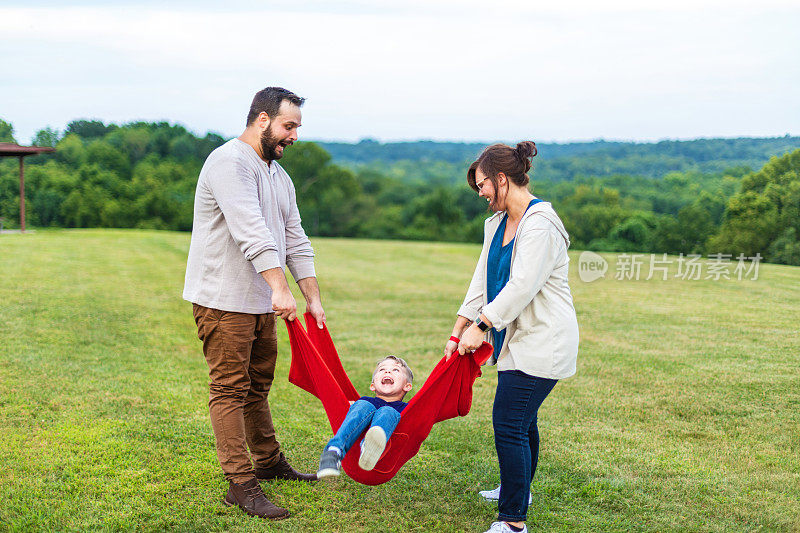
(683, 414)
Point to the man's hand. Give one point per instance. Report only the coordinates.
(284, 305)
(316, 310)
(310, 289)
(471, 340)
(282, 300)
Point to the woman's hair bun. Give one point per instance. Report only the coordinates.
(526, 150)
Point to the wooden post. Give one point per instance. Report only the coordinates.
(22, 193)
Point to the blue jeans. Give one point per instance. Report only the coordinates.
(361, 415)
(516, 437)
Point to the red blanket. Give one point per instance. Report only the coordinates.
(447, 393)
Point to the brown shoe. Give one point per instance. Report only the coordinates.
(250, 499)
(282, 470)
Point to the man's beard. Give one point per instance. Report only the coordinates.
(269, 145)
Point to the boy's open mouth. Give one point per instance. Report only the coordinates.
(387, 381)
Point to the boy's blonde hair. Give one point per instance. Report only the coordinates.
(398, 360)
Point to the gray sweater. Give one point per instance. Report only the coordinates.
(245, 221)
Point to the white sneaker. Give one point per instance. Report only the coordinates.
(502, 527)
(372, 448)
(494, 495)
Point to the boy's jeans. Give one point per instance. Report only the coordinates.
(361, 415)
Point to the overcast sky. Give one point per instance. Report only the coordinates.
(412, 69)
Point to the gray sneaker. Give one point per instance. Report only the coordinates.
(330, 464)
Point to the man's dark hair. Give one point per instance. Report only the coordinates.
(269, 101)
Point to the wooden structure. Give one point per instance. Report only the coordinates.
(15, 150)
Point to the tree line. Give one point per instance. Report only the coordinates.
(143, 175)
(444, 161)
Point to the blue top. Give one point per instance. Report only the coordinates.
(498, 269)
(380, 402)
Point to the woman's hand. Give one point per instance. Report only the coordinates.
(452, 344)
(471, 340)
(449, 348)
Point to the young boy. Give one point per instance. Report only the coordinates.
(390, 382)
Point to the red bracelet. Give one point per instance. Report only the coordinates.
(455, 339)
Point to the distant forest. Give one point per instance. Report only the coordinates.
(444, 162)
(702, 196)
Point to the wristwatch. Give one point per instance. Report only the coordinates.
(483, 326)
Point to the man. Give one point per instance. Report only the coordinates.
(246, 230)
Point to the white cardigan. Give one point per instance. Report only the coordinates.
(535, 306)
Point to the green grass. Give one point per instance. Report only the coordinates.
(684, 414)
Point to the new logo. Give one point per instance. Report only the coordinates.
(591, 267)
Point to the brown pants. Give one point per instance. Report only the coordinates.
(241, 350)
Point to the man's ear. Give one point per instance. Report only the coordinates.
(263, 120)
(502, 178)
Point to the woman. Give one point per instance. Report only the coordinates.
(519, 297)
